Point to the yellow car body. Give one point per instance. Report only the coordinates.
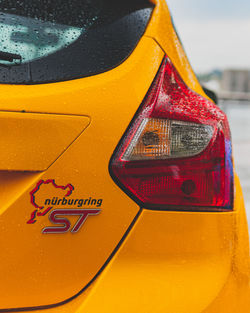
(125, 259)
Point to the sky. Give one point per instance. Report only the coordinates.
(215, 33)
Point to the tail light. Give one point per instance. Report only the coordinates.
(176, 153)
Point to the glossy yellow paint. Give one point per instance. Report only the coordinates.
(169, 262)
(162, 31)
(32, 142)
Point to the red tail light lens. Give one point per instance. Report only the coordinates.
(176, 154)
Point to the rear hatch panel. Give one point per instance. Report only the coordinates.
(43, 269)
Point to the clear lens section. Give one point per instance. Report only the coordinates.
(165, 139)
(189, 139)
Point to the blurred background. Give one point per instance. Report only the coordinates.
(215, 35)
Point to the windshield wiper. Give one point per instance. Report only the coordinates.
(10, 57)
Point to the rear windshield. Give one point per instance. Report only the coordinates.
(37, 30)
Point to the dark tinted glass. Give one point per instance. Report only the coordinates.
(35, 29)
(56, 35)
